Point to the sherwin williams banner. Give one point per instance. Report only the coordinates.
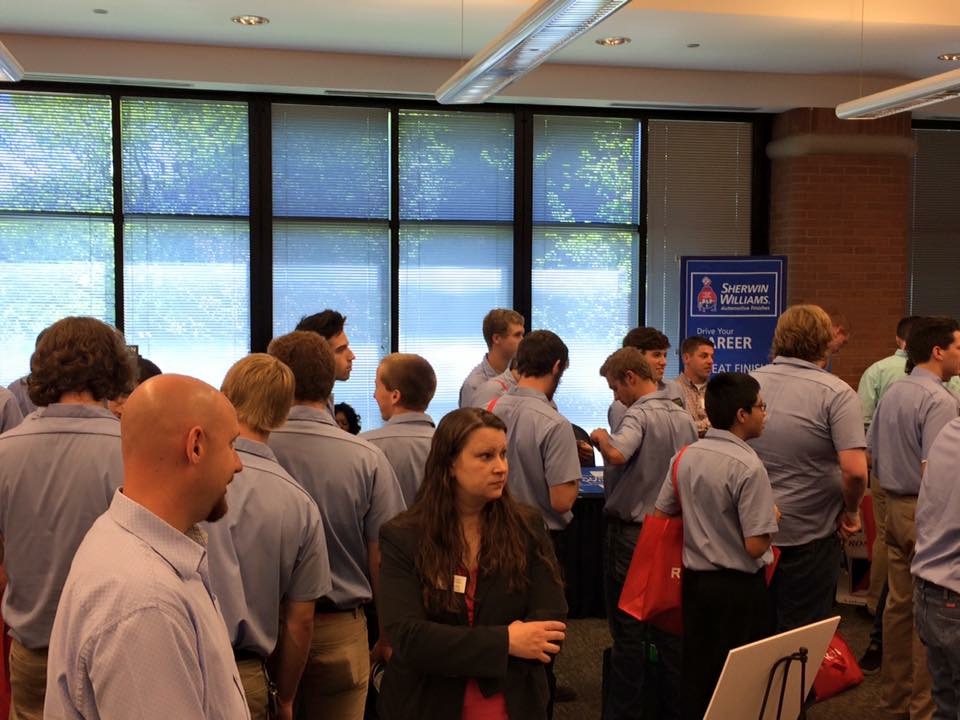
(734, 301)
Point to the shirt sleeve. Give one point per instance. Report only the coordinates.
(872, 438)
(629, 435)
(10, 415)
(386, 499)
(615, 414)
(941, 411)
(846, 421)
(561, 463)
(867, 392)
(667, 499)
(755, 503)
(133, 666)
(311, 577)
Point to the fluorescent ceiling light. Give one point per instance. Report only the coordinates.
(911, 96)
(10, 69)
(541, 31)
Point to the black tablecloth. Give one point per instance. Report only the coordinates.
(581, 557)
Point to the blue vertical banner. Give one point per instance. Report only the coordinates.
(734, 301)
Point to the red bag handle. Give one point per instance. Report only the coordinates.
(491, 404)
(673, 475)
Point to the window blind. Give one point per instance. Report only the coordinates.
(456, 238)
(698, 203)
(586, 248)
(934, 219)
(186, 278)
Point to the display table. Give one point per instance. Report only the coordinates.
(582, 558)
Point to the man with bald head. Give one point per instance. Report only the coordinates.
(58, 471)
(138, 632)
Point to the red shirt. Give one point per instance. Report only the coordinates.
(475, 705)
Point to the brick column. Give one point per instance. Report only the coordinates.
(839, 209)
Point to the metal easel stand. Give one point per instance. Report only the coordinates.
(799, 656)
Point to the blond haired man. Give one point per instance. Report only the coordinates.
(268, 554)
(813, 447)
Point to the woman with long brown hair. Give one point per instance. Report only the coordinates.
(472, 598)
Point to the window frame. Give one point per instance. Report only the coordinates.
(260, 177)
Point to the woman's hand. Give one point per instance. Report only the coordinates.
(535, 640)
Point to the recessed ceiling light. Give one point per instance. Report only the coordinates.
(612, 41)
(99, 11)
(949, 57)
(250, 19)
(693, 45)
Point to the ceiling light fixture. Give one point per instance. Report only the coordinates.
(10, 69)
(902, 98)
(949, 57)
(250, 20)
(538, 33)
(100, 11)
(612, 41)
(693, 45)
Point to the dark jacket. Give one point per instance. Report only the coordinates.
(434, 654)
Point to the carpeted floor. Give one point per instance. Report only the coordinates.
(579, 668)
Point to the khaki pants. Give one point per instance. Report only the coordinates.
(878, 566)
(28, 682)
(906, 681)
(334, 684)
(253, 677)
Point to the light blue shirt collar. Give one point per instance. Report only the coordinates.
(184, 552)
(304, 412)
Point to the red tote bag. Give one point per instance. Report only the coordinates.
(652, 590)
(839, 670)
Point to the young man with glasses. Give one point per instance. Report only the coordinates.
(728, 521)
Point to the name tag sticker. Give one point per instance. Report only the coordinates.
(459, 584)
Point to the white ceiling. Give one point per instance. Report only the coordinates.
(881, 38)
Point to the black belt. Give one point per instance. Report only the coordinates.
(242, 654)
(326, 605)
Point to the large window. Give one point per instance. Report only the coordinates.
(698, 203)
(412, 221)
(456, 238)
(186, 238)
(586, 248)
(331, 236)
(56, 223)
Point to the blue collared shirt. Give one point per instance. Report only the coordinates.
(811, 416)
(937, 551)
(353, 485)
(725, 497)
(494, 388)
(665, 389)
(19, 390)
(10, 414)
(652, 430)
(541, 451)
(908, 419)
(405, 439)
(479, 375)
(138, 633)
(58, 471)
(269, 548)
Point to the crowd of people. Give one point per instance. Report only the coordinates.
(174, 550)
